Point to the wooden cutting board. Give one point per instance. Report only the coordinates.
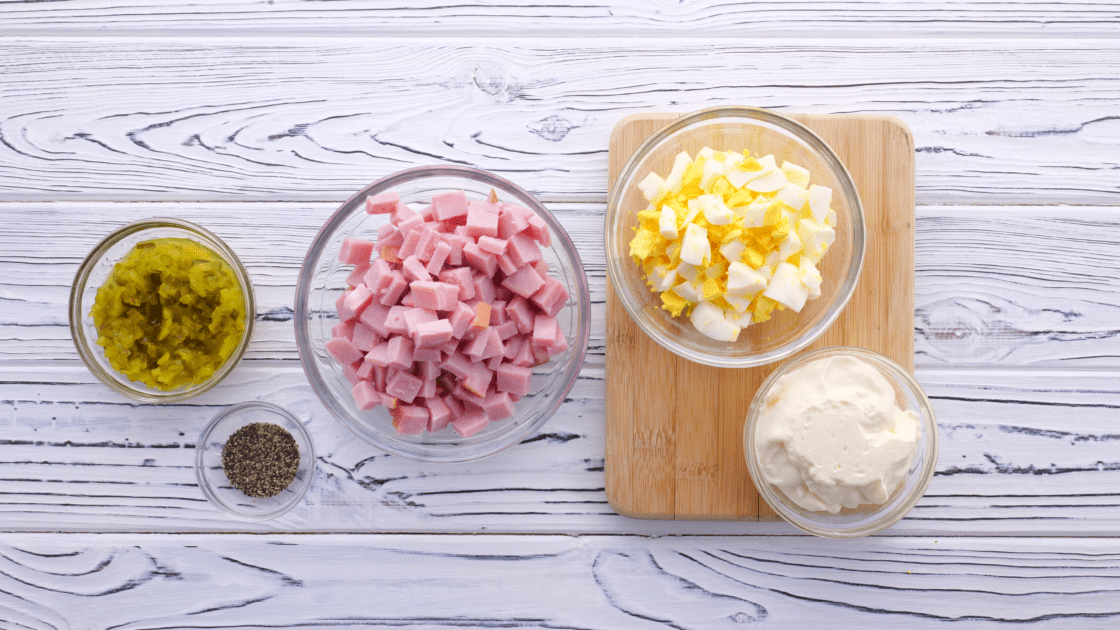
(674, 428)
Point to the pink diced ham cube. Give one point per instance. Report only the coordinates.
(410, 420)
(383, 203)
(365, 396)
(395, 290)
(439, 414)
(414, 269)
(523, 250)
(416, 316)
(478, 381)
(395, 321)
(431, 334)
(515, 379)
(461, 319)
(544, 331)
(485, 262)
(439, 257)
(351, 372)
(482, 218)
(426, 354)
(510, 220)
(551, 297)
(470, 423)
(374, 317)
(484, 288)
(400, 353)
(355, 251)
(438, 296)
(403, 386)
(498, 406)
(521, 313)
(358, 275)
(458, 364)
(353, 302)
(490, 244)
(339, 331)
(365, 338)
(461, 277)
(344, 351)
(525, 282)
(449, 205)
(408, 247)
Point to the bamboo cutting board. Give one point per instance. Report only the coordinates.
(674, 428)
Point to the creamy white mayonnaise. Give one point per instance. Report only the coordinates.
(831, 435)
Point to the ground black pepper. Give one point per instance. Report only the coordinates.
(261, 459)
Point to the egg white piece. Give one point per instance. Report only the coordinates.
(786, 287)
(713, 170)
(810, 277)
(662, 279)
(819, 199)
(742, 280)
(753, 214)
(688, 291)
(696, 248)
(676, 176)
(791, 244)
(715, 211)
(653, 187)
(709, 320)
(667, 223)
(733, 250)
(772, 181)
(794, 196)
(815, 238)
(796, 175)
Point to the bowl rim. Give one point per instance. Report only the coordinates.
(81, 278)
(204, 482)
(810, 138)
(389, 182)
(928, 421)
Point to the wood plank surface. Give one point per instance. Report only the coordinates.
(557, 582)
(697, 411)
(505, 18)
(140, 118)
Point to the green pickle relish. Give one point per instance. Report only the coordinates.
(170, 314)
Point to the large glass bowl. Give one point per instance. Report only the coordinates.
(762, 132)
(95, 271)
(865, 519)
(323, 278)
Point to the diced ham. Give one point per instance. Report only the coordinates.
(432, 334)
(439, 414)
(343, 351)
(414, 269)
(525, 282)
(449, 205)
(355, 251)
(482, 218)
(470, 423)
(365, 396)
(365, 338)
(357, 275)
(498, 406)
(383, 203)
(425, 330)
(515, 379)
(340, 331)
(403, 386)
(410, 420)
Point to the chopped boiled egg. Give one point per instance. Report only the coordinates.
(727, 238)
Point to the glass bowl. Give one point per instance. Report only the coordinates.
(865, 519)
(762, 132)
(323, 278)
(212, 477)
(95, 271)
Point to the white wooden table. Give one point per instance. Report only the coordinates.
(256, 119)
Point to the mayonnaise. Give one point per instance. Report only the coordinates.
(831, 435)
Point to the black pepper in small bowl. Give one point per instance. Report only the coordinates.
(261, 459)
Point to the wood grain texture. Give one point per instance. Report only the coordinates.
(700, 409)
(507, 18)
(996, 286)
(282, 119)
(557, 582)
(1023, 452)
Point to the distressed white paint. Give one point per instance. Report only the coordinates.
(995, 121)
(505, 18)
(436, 582)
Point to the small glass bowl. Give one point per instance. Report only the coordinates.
(95, 271)
(323, 278)
(762, 132)
(865, 519)
(212, 477)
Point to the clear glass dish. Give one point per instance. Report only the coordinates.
(323, 278)
(762, 132)
(212, 477)
(96, 269)
(866, 519)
